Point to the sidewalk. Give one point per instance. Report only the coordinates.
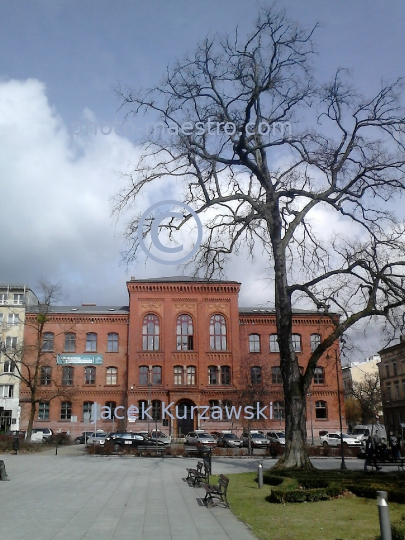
(72, 496)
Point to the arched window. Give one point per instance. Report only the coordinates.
(67, 376)
(225, 375)
(227, 408)
(150, 333)
(254, 343)
(319, 375)
(91, 342)
(65, 410)
(156, 409)
(315, 341)
(185, 333)
(213, 375)
(143, 375)
(156, 375)
(278, 410)
(45, 376)
(112, 342)
(47, 345)
(296, 342)
(218, 333)
(191, 375)
(88, 411)
(276, 375)
(90, 375)
(111, 376)
(256, 375)
(142, 407)
(274, 343)
(178, 375)
(321, 410)
(70, 342)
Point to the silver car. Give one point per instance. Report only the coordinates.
(258, 440)
(200, 438)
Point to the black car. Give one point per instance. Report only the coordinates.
(82, 439)
(125, 440)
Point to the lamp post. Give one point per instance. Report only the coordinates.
(309, 394)
(342, 452)
(149, 394)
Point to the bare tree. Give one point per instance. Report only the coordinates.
(367, 393)
(310, 173)
(27, 362)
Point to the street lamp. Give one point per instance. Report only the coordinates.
(309, 394)
(342, 452)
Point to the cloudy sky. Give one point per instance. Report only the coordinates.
(60, 63)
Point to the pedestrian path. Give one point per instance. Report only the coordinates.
(71, 496)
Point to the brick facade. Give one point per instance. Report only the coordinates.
(185, 342)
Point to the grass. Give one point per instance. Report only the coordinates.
(344, 518)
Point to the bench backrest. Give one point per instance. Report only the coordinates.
(223, 482)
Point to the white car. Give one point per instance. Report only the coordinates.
(96, 438)
(276, 437)
(334, 439)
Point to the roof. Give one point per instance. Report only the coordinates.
(181, 279)
(90, 309)
(272, 311)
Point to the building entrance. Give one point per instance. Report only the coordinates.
(185, 422)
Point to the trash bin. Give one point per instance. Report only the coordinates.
(16, 443)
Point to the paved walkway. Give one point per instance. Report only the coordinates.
(72, 496)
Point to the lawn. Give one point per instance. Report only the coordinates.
(345, 518)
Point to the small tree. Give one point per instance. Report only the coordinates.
(352, 412)
(367, 393)
(29, 359)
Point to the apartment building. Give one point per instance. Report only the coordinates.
(392, 382)
(14, 300)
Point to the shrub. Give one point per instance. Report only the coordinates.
(398, 529)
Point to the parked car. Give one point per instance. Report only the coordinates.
(200, 438)
(126, 440)
(159, 437)
(45, 432)
(96, 439)
(276, 437)
(228, 440)
(82, 439)
(258, 440)
(334, 439)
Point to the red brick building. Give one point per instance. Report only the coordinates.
(175, 358)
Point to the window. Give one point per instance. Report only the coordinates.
(65, 410)
(394, 365)
(178, 375)
(70, 342)
(67, 376)
(1, 317)
(274, 343)
(213, 403)
(150, 333)
(184, 333)
(156, 409)
(191, 375)
(278, 410)
(111, 375)
(156, 375)
(321, 411)
(6, 390)
(3, 298)
(91, 342)
(387, 369)
(45, 376)
(9, 366)
(43, 410)
(296, 342)
(227, 407)
(143, 375)
(112, 405)
(396, 385)
(388, 391)
(276, 377)
(11, 342)
(47, 345)
(90, 375)
(315, 341)
(112, 343)
(254, 343)
(319, 375)
(212, 375)
(18, 299)
(256, 375)
(217, 333)
(225, 375)
(13, 318)
(88, 411)
(143, 406)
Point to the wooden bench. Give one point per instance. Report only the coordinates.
(191, 450)
(191, 472)
(152, 449)
(388, 462)
(217, 494)
(200, 474)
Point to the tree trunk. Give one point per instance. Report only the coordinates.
(31, 421)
